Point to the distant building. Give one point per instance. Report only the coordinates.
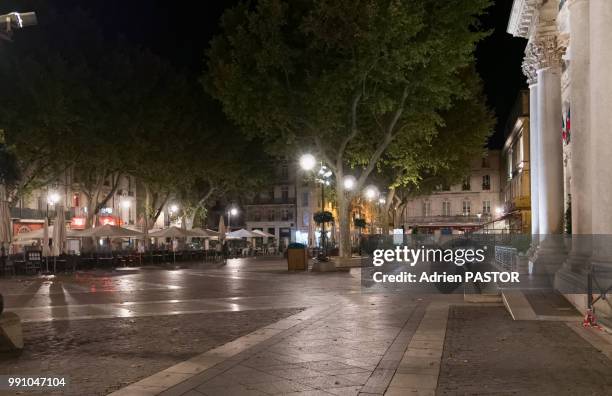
(515, 186)
(462, 207)
(30, 212)
(285, 210)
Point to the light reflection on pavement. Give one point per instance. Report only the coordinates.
(241, 285)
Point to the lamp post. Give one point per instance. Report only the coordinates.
(15, 20)
(323, 176)
(231, 212)
(52, 199)
(172, 209)
(371, 193)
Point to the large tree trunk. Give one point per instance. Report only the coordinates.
(386, 209)
(344, 214)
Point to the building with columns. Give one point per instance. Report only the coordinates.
(567, 66)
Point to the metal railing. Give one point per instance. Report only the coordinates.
(506, 257)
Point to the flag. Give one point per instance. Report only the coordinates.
(566, 126)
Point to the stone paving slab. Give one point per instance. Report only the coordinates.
(344, 349)
(486, 352)
(199, 365)
(419, 367)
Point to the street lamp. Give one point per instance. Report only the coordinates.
(15, 20)
(52, 199)
(231, 212)
(371, 192)
(308, 162)
(349, 182)
(323, 176)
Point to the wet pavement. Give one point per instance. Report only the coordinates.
(238, 286)
(246, 328)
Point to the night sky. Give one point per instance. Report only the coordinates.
(180, 30)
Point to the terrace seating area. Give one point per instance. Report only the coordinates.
(32, 262)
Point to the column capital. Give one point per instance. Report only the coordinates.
(529, 65)
(545, 50)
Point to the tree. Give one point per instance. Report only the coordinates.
(346, 77)
(443, 154)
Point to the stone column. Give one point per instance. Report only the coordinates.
(579, 105)
(571, 280)
(581, 185)
(534, 146)
(550, 146)
(529, 70)
(601, 114)
(551, 249)
(600, 13)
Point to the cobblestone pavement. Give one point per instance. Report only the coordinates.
(102, 355)
(486, 352)
(344, 342)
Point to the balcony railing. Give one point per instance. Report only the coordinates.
(273, 201)
(448, 219)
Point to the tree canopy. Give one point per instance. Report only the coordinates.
(345, 78)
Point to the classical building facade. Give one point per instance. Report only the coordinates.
(467, 206)
(567, 65)
(515, 168)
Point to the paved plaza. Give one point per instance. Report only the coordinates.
(252, 328)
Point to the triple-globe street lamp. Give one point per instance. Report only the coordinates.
(308, 162)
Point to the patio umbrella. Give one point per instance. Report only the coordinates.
(201, 233)
(59, 234)
(6, 232)
(242, 233)
(45, 243)
(262, 234)
(111, 231)
(311, 234)
(212, 233)
(221, 228)
(173, 232)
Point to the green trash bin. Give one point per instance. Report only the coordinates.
(297, 257)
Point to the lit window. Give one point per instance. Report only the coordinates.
(446, 208)
(426, 208)
(486, 207)
(467, 208)
(486, 182)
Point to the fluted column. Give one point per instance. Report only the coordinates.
(544, 48)
(600, 13)
(581, 183)
(601, 117)
(550, 146)
(534, 168)
(571, 280)
(529, 69)
(579, 105)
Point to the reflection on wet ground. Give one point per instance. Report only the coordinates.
(238, 286)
